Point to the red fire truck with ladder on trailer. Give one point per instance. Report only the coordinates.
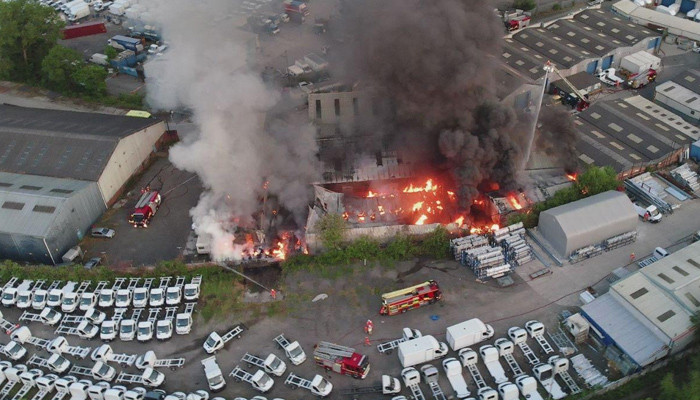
(400, 301)
(341, 359)
(145, 209)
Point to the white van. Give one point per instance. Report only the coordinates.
(99, 59)
(660, 253)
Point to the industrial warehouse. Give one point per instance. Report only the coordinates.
(60, 171)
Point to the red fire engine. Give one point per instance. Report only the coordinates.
(341, 359)
(145, 209)
(400, 301)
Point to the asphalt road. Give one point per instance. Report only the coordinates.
(167, 233)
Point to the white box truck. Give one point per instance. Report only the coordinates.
(204, 243)
(78, 12)
(468, 333)
(639, 62)
(421, 350)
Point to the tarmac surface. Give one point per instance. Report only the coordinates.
(355, 298)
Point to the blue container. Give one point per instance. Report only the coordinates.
(695, 151)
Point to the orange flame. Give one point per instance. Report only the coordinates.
(494, 227)
(459, 221)
(514, 202)
(572, 177)
(417, 206)
(421, 220)
(371, 194)
(429, 187)
(279, 252)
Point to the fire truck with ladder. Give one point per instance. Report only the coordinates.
(341, 359)
(400, 301)
(145, 208)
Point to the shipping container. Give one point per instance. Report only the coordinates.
(86, 29)
(695, 151)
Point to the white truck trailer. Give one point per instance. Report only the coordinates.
(421, 350)
(468, 333)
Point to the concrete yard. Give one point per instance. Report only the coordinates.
(354, 299)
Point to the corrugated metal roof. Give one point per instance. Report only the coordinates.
(630, 335)
(584, 36)
(667, 118)
(680, 94)
(523, 59)
(29, 204)
(604, 149)
(610, 25)
(62, 144)
(675, 25)
(657, 305)
(560, 51)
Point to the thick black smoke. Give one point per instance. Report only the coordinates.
(556, 137)
(433, 64)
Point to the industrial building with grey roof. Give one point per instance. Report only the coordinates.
(592, 40)
(631, 134)
(59, 171)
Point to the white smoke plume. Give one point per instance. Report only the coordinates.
(234, 152)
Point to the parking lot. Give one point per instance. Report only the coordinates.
(166, 236)
(352, 300)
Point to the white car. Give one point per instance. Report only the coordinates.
(123, 298)
(39, 299)
(106, 298)
(609, 77)
(183, 323)
(70, 303)
(24, 299)
(87, 301)
(108, 331)
(191, 291)
(127, 330)
(140, 297)
(173, 296)
(102, 6)
(55, 298)
(164, 329)
(157, 297)
(95, 316)
(49, 316)
(103, 371)
(87, 330)
(57, 363)
(14, 350)
(144, 331)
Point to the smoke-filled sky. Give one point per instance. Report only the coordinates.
(435, 61)
(205, 70)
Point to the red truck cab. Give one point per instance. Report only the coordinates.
(145, 209)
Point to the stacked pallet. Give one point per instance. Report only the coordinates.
(515, 229)
(685, 176)
(459, 245)
(620, 240)
(585, 253)
(516, 249)
(587, 371)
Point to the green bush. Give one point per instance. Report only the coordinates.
(524, 4)
(556, 7)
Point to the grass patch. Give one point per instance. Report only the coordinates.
(339, 260)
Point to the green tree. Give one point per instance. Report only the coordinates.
(28, 31)
(524, 4)
(110, 52)
(58, 68)
(597, 180)
(90, 80)
(332, 229)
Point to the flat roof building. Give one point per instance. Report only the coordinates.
(682, 94)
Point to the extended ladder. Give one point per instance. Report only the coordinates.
(330, 351)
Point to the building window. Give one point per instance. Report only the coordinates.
(355, 106)
(337, 107)
(680, 270)
(44, 209)
(666, 278)
(665, 316)
(318, 109)
(12, 205)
